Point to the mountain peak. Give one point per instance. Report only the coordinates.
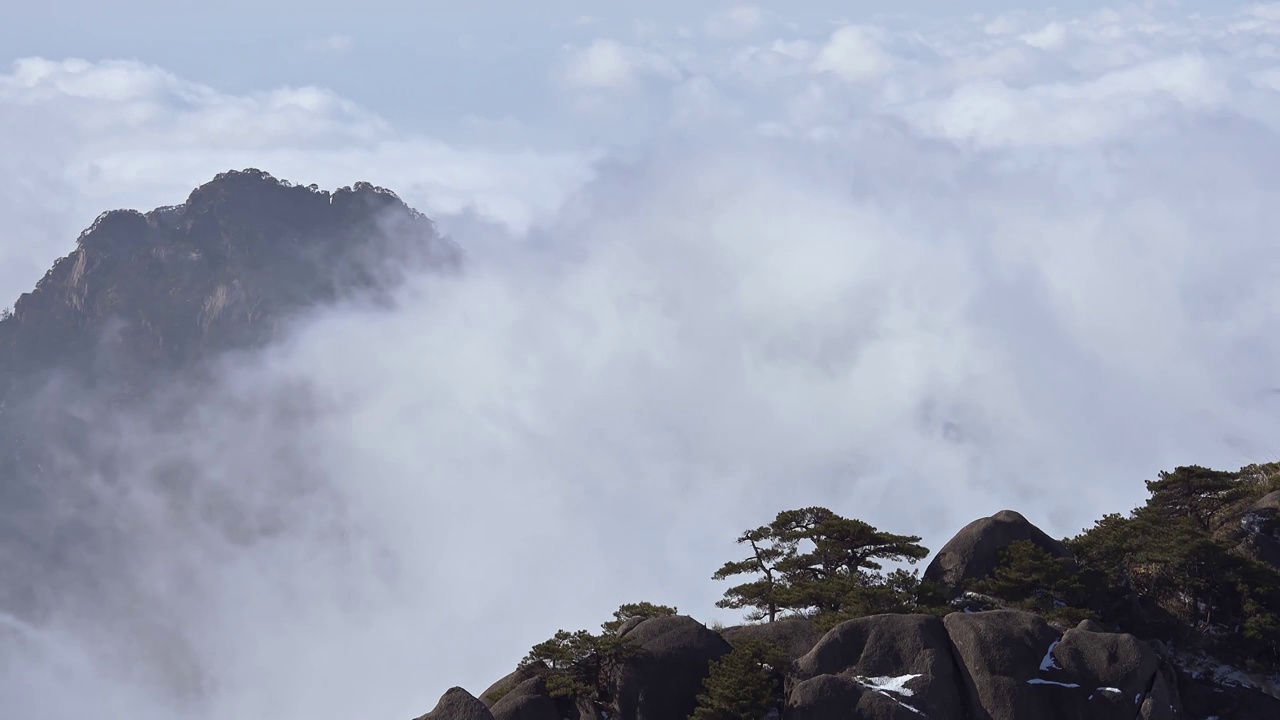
(182, 282)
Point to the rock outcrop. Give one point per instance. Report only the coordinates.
(458, 704)
(527, 701)
(795, 636)
(145, 302)
(974, 552)
(1015, 665)
(1260, 530)
(664, 679)
(496, 691)
(891, 664)
(991, 665)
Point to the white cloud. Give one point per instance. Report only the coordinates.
(854, 53)
(893, 288)
(1050, 37)
(602, 64)
(1001, 25)
(609, 65)
(1263, 11)
(735, 21)
(1121, 102)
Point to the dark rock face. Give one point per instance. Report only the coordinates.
(1116, 667)
(1000, 654)
(1162, 701)
(1270, 501)
(158, 291)
(527, 701)
(458, 704)
(1091, 625)
(151, 301)
(1206, 689)
(836, 697)
(629, 625)
(974, 552)
(1014, 666)
(902, 662)
(500, 688)
(794, 636)
(996, 665)
(665, 678)
(1260, 530)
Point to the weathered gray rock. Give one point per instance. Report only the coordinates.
(1015, 666)
(1208, 689)
(974, 552)
(1162, 701)
(837, 697)
(1000, 654)
(1117, 668)
(527, 701)
(663, 681)
(795, 636)
(1270, 501)
(903, 659)
(1091, 626)
(629, 624)
(458, 704)
(1256, 540)
(500, 688)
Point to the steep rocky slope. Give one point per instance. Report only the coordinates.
(151, 300)
(166, 289)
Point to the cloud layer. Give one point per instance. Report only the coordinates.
(916, 272)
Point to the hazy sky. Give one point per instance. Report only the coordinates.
(724, 260)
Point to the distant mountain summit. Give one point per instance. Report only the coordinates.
(145, 298)
(156, 291)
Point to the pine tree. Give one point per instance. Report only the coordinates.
(1172, 569)
(838, 570)
(1195, 493)
(842, 568)
(635, 610)
(578, 664)
(767, 595)
(744, 684)
(1031, 578)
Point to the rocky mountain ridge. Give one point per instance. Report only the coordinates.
(164, 289)
(150, 301)
(976, 660)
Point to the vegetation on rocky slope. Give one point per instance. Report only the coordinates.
(1195, 570)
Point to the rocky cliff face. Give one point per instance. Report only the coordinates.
(167, 289)
(992, 664)
(146, 298)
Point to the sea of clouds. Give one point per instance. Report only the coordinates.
(915, 271)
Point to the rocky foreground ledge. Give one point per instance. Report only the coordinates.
(986, 664)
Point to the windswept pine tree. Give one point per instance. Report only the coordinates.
(813, 560)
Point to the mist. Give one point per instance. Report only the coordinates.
(915, 307)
